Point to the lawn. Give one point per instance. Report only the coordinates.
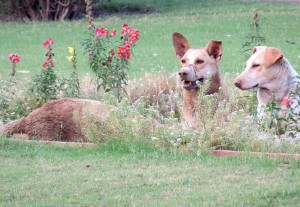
(199, 21)
(138, 174)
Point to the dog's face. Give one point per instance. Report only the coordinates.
(259, 71)
(196, 64)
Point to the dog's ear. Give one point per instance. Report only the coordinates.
(214, 49)
(257, 48)
(272, 55)
(180, 44)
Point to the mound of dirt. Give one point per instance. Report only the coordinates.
(59, 120)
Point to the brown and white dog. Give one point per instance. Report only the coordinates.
(197, 65)
(271, 73)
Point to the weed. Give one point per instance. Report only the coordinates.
(254, 37)
(45, 86)
(71, 86)
(14, 58)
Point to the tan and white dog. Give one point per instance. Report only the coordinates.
(197, 65)
(271, 73)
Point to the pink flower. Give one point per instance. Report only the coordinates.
(14, 58)
(125, 30)
(130, 34)
(287, 101)
(48, 63)
(114, 32)
(48, 42)
(101, 31)
(134, 36)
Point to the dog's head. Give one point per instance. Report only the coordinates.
(196, 64)
(259, 71)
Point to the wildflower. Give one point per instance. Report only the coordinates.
(48, 42)
(112, 53)
(114, 32)
(101, 31)
(71, 50)
(48, 63)
(130, 34)
(125, 30)
(124, 51)
(286, 101)
(134, 36)
(70, 58)
(45, 64)
(14, 58)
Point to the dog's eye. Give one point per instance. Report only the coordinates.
(255, 65)
(183, 61)
(199, 61)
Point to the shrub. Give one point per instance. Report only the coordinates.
(13, 103)
(130, 121)
(283, 120)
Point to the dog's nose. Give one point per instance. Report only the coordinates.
(182, 73)
(237, 83)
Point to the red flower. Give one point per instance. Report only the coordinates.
(134, 36)
(286, 101)
(101, 31)
(112, 53)
(48, 63)
(14, 58)
(48, 42)
(124, 51)
(114, 32)
(125, 30)
(51, 63)
(45, 64)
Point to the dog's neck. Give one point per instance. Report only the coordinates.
(215, 83)
(281, 86)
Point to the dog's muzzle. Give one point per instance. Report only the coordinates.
(184, 74)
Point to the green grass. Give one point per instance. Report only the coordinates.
(128, 174)
(199, 21)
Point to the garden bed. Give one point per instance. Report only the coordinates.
(25, 138)
(223, 153)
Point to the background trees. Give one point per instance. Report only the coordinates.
(46, 10)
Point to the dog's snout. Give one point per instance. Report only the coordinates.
(237, 83)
